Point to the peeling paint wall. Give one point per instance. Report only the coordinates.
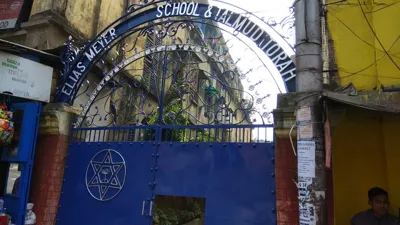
(89, 17)
(41, 6)
(83, 15)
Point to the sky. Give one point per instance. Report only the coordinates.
(248, 60)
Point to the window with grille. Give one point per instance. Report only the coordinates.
(152, 64)
(193, 78)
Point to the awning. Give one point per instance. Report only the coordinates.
(372, 100)
(45, 57)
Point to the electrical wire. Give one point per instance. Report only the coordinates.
(369, 66)
(358, 72)
(291, 140)
(346, 3)
(307, 96)
(384, 7)
(340, 3)
(365, 75)
(376, 36)
(358, 37)
(335, 3)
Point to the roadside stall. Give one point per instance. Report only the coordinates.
(24, 86)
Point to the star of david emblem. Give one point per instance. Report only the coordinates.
(105, 175)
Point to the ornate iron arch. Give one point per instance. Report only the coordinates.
(83, 59)
(216, 57)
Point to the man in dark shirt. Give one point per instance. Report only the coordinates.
(378, 199)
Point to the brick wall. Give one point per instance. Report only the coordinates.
(47, 176)
(286, 190)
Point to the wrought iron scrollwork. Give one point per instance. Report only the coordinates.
(285, 25)
(172, 81)
(186, 86)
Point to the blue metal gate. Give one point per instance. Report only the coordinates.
(114, 174)
(167, 118)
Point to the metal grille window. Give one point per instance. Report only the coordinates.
(192, 77)
(152, 64)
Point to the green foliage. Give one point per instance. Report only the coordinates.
(174, 216)
(167, 216)
(174, 115)
(204, 136)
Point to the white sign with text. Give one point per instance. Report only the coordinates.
(306, 158)
(25, 78)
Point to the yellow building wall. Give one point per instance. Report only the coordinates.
(89, 17)
(365, 145)
(365, 154)
(360, 58)
(390, 127)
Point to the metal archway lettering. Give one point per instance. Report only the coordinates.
(161, 88)
(76, 74)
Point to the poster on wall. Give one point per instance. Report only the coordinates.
(305, 132)
(307, 214)
(25, 78)
(306, 158)
(303, 115)
(9, 13)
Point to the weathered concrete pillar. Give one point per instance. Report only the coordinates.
(48, 168)
(286, 160)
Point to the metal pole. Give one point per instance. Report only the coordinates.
(310, 143)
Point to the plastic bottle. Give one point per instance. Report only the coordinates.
(1, 206)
